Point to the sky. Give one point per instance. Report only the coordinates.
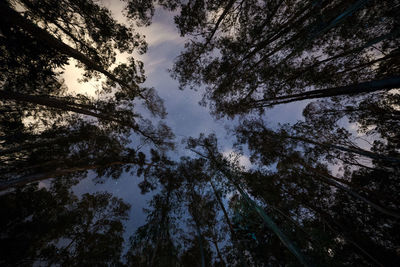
(185, 116)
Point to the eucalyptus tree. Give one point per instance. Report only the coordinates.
(256, 54)
(377, 121)
(153, 244)
(303, 163)
(268, 147)
(38, 38)
(94, 35)
(203, 206)
(291, 188)
(52, 226)
(207, 148)
(68, 30)
(323, 138)
(72, 152)
(181, 225)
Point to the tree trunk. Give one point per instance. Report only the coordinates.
(199, 236)
(357, 49)
(328, 180)
(284, 29)
(393, 54)
(354, 89)
(31, 146)
(357, 151)
(228, 221)
(73, 107)
(269, 222)
(60, 104)
(53, 174)
(331, 223)
(331, 25)
(376, 40)
(218, 252)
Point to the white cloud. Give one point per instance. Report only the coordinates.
(158, 33)
(72, 74)
(233, 156)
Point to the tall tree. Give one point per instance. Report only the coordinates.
(39, 113)
(232, 174)
(54, 226)
(153, 243)
(307, 166)
(64, 151)
(97, 42)
(253, 55)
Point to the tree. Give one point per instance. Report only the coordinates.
(106, 37)
(253, 55)
(105, 33)
(54, 226)
(152, 244)
(301, 165)
(232, 174)
(304, 133)
(374, 116)
(36, 42)
(66, 152)
(294, 190)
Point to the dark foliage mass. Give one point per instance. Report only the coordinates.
(323, 191)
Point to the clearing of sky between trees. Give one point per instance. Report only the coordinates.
(319, 189)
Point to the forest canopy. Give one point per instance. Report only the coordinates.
(320, 189)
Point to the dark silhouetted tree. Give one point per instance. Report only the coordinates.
(53, 226)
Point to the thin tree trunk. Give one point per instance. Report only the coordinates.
(163, 226)
(354, 89)
(71, 106)
(296, 19)
(267, 220)
(348, 12)
(376, 40)
(357, 151)
(214, 30)
(393, 54)
(53, 174)
(329, 221)
(309, 237)
(199, 236)
(218, 252)
(332, 182)
(59, 104)
(357, 49)
(339, 19)
(31, 146)
(228, 221)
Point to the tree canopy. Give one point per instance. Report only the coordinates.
(321, 190)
